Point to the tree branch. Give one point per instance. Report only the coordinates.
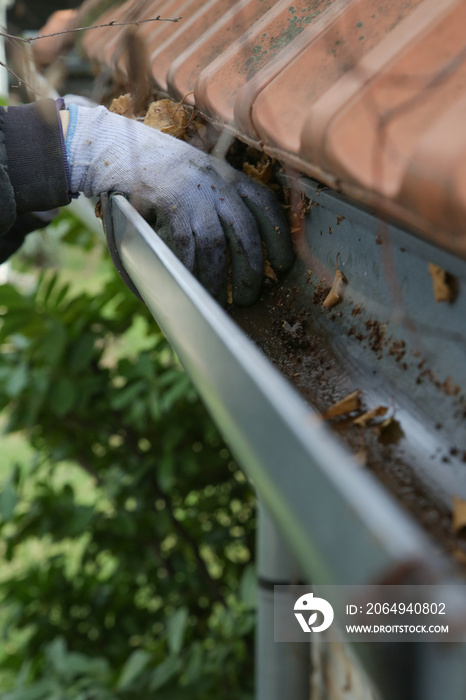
(20, 80)
(112, 23)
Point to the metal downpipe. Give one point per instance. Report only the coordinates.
(283, 669)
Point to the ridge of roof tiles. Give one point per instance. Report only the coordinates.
(364, 95)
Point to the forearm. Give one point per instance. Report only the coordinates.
(36, 158)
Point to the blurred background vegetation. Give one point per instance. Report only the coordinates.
(127, 530)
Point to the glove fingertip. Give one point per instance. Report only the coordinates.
(274, 232)
(246, 263)
(271, 221)
(246, 293)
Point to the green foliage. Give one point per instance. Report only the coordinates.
(127, 541)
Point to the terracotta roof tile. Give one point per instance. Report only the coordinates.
(186, 68)
(179, 48)
(220, 82)
(365, 95)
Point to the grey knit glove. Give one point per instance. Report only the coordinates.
(200, 206)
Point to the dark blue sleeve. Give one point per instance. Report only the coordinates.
(35, 156)
(7, 197)
(33, 171)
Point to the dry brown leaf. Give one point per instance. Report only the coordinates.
(269, 272)
(335, 294)
(386, 423)
(350, 403)
(389, 431)
(450, 388)
(365, 418)
(262, 171)
(443, 284)
(459, 513)
(123, 105)
(361, 457)
(168, 117)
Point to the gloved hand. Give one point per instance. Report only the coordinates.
(200, 206)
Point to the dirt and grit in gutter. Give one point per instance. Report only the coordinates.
(291, 327)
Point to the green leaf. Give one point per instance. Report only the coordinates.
(154, 405)
(17, 380)
(195, 663)
(183, 694)
(53, 344)
(8, 501)
(178, 390)
(176, 627)
(41, 690)
(56, 652)
(164, 672)
(23, 675)
(26, 324)
(166, 472)
(49, 286)
(81, 353)
(133, 668)
(79, 521)
(13, 299)
(145, 367)
(63, 396)
(248, 587)
(73, 665)
(62, 293)
(127, 395)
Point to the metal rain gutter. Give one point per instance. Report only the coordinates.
(338, 520)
